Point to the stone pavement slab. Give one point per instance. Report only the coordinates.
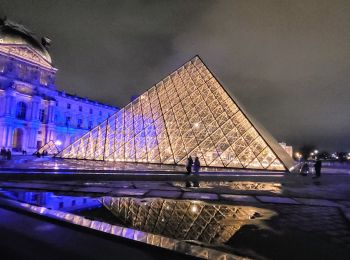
(197, 195)
(277, 200)
(317, 202)
(164, 194)
(94, 189)
(129, 192)
(238, 198)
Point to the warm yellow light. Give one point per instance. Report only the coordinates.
(194, 208)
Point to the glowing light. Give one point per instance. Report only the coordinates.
(298, 155)
(194, 208)
(196, 125)
(58, 142)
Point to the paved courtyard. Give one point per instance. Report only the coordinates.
(295, 217)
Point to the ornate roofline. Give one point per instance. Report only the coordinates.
(26, 53)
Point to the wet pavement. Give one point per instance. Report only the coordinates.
(257, 216)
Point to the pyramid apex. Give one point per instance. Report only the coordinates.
(186, 113)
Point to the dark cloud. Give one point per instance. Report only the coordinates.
(287, 61)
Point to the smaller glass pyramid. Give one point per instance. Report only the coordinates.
(49, 147)
(186, 113)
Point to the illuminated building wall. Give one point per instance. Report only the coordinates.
(32, 111)
(187, 113)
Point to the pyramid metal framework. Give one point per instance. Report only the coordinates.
(186, 113)
(180, 219)
(49, 147)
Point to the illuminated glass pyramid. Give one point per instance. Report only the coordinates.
(187, 113)
(49, 147)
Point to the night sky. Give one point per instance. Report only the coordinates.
(288, 62)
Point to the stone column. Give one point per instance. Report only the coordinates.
(35, 108)
(9, 136)
(2, 136)
(10, 106)
(51, 112)
(32, 134)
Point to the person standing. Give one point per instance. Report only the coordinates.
(304, 169)
(3, 153)
(196, 165)
(318, 166)
(189, 164)
(8, 154)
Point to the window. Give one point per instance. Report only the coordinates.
(80, 108)
(56, 117)
(90, 124)
(56, 103)
(61, 205)
(100, 113)
(91, 111)
(21, 110)
(73, 203)
(44, 78)
(68, 120)
(42, 115)
(68, 106)
(80, 122)
(36, 198)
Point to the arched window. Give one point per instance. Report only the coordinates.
(21, 110)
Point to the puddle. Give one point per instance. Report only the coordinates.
(234, 185)
(194, 220)
(183, 219)
(52, 200)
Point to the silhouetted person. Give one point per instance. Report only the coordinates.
(8, 154)
(189, 164)
(318, 166)
(3, 153)
(196, 165)
(304, 169)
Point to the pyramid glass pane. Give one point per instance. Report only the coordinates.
(186, 113)
(50, 148)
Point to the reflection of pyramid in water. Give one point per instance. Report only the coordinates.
(182, 219)
(49, 147)
(187, 113)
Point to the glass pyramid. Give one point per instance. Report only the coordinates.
(49, 147)
(186, 113)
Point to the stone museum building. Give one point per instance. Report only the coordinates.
(32, 110)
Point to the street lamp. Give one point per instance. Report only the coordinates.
(298, 156)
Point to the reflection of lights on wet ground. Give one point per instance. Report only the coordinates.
(194, 208)
(200, 221)
(243, 185)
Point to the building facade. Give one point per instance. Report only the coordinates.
(32, 111)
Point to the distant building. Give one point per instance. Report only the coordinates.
(287, 148)
(32, 110)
